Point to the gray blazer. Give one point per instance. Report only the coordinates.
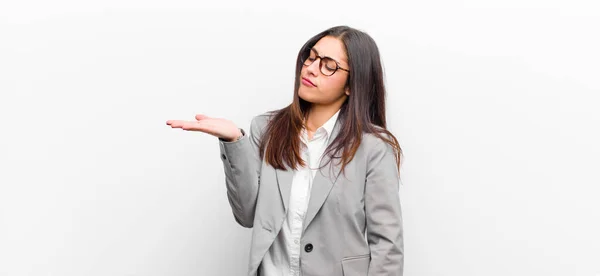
(353, 224)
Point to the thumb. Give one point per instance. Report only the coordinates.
(201, 116)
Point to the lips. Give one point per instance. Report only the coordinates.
(308, 82)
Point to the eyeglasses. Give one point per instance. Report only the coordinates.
(327, 65)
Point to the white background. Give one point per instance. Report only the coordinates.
(495, 104)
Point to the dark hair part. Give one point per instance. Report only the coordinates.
(362, 112)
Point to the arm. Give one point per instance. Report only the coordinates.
(242, 163)
(384, 218)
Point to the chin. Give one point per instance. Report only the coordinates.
(305, 96)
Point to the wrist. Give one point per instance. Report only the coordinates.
(240, 134)
(238, 137)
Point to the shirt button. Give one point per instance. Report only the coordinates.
(296, 241)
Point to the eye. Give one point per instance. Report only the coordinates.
(330, 65)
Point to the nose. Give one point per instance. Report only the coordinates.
(314, 69)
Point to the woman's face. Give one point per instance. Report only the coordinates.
(315, 86)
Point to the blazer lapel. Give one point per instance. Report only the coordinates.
(284, 181)
(324, 180)
(321, 186)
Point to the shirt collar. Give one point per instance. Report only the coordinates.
(327, 126)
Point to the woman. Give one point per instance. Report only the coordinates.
(309, 214)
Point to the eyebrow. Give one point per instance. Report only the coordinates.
(313, 49)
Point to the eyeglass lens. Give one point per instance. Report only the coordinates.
(327, 65)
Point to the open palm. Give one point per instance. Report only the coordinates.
(218, 127)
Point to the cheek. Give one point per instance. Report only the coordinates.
(334, 85)
(303, 71)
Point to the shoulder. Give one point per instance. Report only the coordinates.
(264, 117)
(261, 120)
(375, 145)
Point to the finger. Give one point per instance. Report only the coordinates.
(201, 116)
(176, 123)
(196, 126)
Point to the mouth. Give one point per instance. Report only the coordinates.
(307, 82)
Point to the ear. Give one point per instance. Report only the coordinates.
(347, 91)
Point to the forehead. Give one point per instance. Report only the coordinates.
(331, 47)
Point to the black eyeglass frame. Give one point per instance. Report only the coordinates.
(337, 64)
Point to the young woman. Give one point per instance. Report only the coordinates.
(318, 180)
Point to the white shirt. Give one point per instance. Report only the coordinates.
(283, 257)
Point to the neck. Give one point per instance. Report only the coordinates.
(319, 114)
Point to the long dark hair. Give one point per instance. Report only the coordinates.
(362, 112)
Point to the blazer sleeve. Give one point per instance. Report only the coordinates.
(242, 163)
(383, 213)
